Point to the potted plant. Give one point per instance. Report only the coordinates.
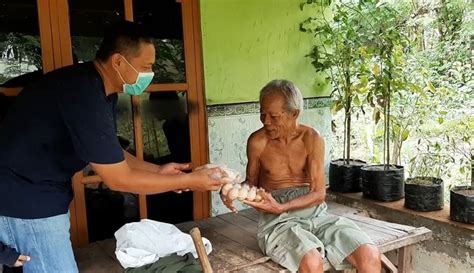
(385, 182)
(338, 54)
(462, 204)
(425, 190)
(462, 200)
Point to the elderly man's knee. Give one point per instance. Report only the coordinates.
(369, 253)
(312, 262)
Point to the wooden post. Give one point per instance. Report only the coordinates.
(404, 259)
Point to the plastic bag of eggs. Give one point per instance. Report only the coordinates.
(229, 175)
(242, 192)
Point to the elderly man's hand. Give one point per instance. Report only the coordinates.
(267, 204)
(228, 203)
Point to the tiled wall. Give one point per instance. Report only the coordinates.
(230, 125)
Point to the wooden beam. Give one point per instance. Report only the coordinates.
(91, 179)
(388, 265)
(137, 120)
(64, 32)
(46, 40)
(11, 91)
(55, 37)
(196, 101)
(82, 233)
(167, 87)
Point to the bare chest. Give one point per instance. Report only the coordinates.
(280, 161)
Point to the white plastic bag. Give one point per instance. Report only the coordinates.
(230, 175)
(145, 242)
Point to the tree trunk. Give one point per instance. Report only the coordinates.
(472, 171)
(397, 147)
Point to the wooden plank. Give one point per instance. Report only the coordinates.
(418, 235)
(382, 224)
(239, 220)
(367, 226)
(251, 214)
(220, 242)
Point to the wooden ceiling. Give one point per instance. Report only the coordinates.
(90, 18)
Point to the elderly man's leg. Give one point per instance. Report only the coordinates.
(312, 262)
(366, 258)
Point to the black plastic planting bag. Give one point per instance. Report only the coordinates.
(345, 177)
(383, 184)
(424, 193)
(462, 205)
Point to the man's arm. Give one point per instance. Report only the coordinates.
(168, 168)
(254, 149)
(121, 177)
(137, 164)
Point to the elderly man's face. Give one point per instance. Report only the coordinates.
(276, 120)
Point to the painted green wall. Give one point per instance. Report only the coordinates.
(247, 43)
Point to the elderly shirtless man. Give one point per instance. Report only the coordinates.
(287, 160)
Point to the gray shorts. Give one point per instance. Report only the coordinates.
(287, 237)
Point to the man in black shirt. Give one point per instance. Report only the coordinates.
(60, 124)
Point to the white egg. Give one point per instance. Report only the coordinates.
(233, 193)
(252, 194)
(243, 192)
(226, 188)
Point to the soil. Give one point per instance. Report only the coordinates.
(352, 162)
(383, 168)
(466, 192)
(424, 181)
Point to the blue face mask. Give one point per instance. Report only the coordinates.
(143, 80)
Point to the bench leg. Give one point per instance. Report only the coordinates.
(404, 259)
(388, 265)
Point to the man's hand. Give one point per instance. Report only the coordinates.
(174, 168)
(267, 204)
(21, 260)
(207, 180)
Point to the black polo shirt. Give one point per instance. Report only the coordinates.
(55, 128)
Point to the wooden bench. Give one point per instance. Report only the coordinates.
(233, 238)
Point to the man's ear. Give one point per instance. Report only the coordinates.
(116, 60)
(295, 114)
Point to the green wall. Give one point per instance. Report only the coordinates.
(247, 43)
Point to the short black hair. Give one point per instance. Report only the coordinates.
(123, 37)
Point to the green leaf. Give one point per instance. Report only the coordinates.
(405, 134)
(440, 120)
(430, 86)
(356, 100)
(396, 128)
